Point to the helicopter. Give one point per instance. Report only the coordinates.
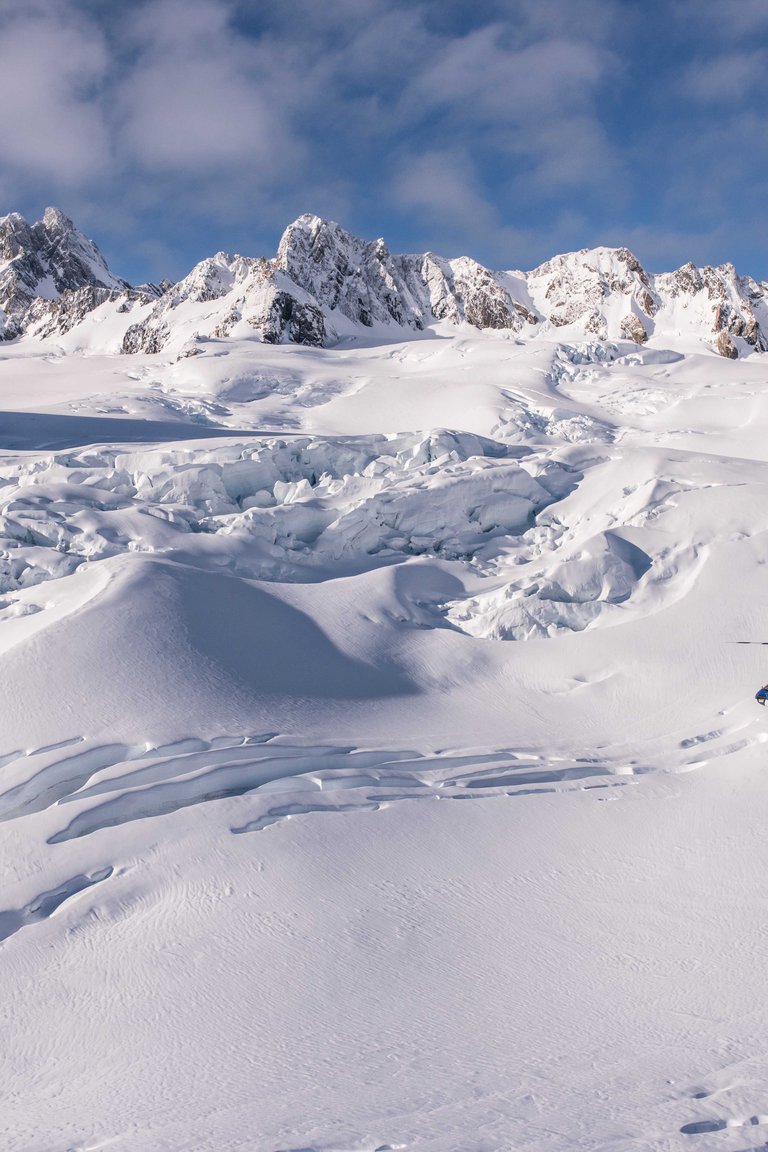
(762, 693)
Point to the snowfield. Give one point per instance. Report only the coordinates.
(267, 612)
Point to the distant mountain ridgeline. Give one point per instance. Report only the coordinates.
(324, 284)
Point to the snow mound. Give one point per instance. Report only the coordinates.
(571, 595)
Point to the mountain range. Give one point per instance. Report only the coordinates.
(325, 285)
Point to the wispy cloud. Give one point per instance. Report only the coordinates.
(53, 63)
(441, 183)
(199, 97)
(730, 77)
(712, 20)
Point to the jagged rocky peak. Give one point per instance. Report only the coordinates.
(211, 279)
(325, 283)
(363, 281)
(358, 278)
(323, 280)
(43, 262)
(717, 283)
(54, 250)
(733, 306)
(15, 236)
(606, 290)
(463, 291)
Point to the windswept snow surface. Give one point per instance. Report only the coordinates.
(266, 614)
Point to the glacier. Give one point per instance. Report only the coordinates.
(295, 555)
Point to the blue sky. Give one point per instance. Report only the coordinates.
(507, 130)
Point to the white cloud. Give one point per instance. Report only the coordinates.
(441, 183)
(730, 77)
(181, 100)
(480, 78)
(199, 96)
(456, 218)
(745, 18)
(52, 63)
(532, 111)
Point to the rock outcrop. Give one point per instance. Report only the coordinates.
(632, 328)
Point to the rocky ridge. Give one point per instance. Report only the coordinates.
(249, 297)
(324, 283)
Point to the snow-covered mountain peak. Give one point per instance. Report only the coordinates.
(43, 261)
(610, 263)
(360, 279)
(716, 282)
(718, 297)
(211, 279)
(54, 218)
(606, 290)
(607, 293)
(251, 297)
(364, 282)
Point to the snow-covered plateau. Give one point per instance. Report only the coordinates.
(294, 555)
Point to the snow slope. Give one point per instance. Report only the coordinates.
(266, 612)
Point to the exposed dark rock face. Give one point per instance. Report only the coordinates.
(486, 304)
(302, 323)
(141, 338)
(740, 323)
(632, 329)
(647, 303)
(726, 346)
